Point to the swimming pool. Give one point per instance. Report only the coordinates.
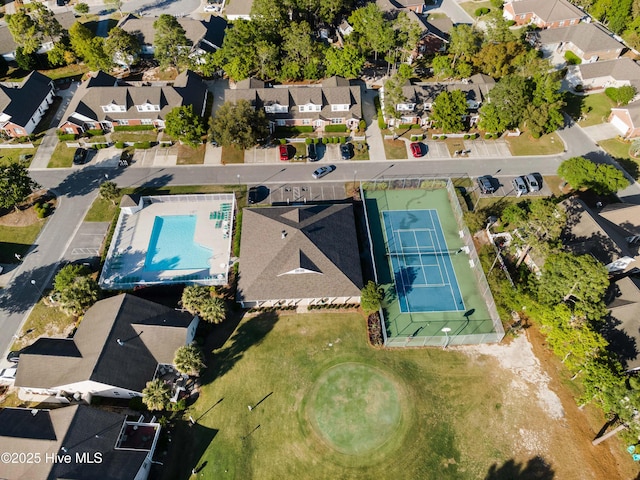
(172, 247)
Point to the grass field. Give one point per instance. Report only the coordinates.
(413, 417)
(62, 156)
(619, 150)
(17, 240)
(525, 144)
(395, 149)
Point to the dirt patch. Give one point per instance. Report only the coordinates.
(26, 215)
(547, 422)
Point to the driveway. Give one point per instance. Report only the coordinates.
(603, 131)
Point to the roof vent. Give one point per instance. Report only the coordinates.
(120, 342)
(284, 234)
(34, 412)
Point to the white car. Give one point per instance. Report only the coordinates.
(8, 374)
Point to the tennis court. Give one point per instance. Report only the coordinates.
(424, 277)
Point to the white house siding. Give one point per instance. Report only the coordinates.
(295, 302)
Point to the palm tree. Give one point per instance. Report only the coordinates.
(193, 297)
(156, 395)
(188, 359)
(77, 297)
(213, 310)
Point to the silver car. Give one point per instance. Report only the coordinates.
(519, 186)
(532, 182)
(322, 171)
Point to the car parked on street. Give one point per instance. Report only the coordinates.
(416, 149)
(322, 171)
(80, 156)
(346, 151)
(284, 153)
(485, 184)
(519, 186)
(532, 182)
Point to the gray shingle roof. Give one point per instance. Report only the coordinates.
(548, 10)
(238, 7)
(320, 239)
(633, 109)
(187, 89)
(619, 69)
(151, 333)
(79, 429)
(624, 216)
(142, 28)
(21, 100)
(588, 37)
(332, 91)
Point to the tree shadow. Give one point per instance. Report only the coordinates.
(20, 294)
(250, 333)
(536, 468)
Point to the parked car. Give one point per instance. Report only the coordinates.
(14, 356)
(322, 171)
(519, 186)
(485, 184)
(312, 152)
(416, 149)
(345, 151)
(80, 156)
(532, 182)
(284, 153)
(211, 8)
(8, 373)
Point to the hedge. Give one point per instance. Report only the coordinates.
(336, 128)
(381, 123)
(289, 131)
(409, 126)
(94, 131)
(64, 137)
(99, 146)
(119, 144)
(142, 145)
(132, 128)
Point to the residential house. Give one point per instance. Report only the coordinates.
(416, 6)
(102, 101)
(298, 256)
(87, 443)
(610, 73)
(436, 37)
(238, 10)
(122, 343)
(612, 236)
(419, 98)
(22, 105)
(543, 13)
(627, 119)
(8, 46)
(589, 41)
(204, 36)
(333, 102)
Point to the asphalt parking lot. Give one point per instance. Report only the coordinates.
(85, 246)
(290, 193)
(504, 188)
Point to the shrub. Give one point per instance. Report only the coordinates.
(135, 403)
(94, 131)
(572, 58)
(511, 23)
(99, 146)
(308, 141)
(466, 137)
(42, 209)
(65, 137)
(24, 139)
(579, 88)
(362, 126)
(119, 145)
(374, 329)
(142, 145)
(343, 139)
(132, 128)
(481, 11)
(325, 140)
(341, 127)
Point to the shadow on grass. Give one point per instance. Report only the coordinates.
(535, 469)
(248, 334)
(188, 444)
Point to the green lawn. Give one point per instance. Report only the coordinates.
(102, 211)
(619, 150)
(471, 7)
(141, 136)
(12, 155)
(232, 155)
(395, 149)
(191, 156)
(525, 144)
(62, 156)
(44, 321)
(413, 416)
(589, 110)
(360, 151)
(17, 240)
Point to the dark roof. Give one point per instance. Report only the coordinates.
(588, 37)
(7, 45)
(102, 89)
(150, 334)
(318, 256)
(21, 100)
(79, 430)
(623, 333)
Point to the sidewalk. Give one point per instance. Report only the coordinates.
(372, 132)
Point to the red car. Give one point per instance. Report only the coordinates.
(284, 153)
(416, 150)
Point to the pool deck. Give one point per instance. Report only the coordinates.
(125, 264)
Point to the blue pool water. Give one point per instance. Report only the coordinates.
(172, 247)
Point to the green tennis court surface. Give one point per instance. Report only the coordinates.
(469, 324)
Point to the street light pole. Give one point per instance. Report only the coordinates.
(33, 282)
(446, 331)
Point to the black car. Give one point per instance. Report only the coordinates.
(80, 156)
(312, 153)
(14, 356)
(485, 184)
(345, 151)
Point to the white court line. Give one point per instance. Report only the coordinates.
(454, 271)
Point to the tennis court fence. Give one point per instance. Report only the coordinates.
(436, 183)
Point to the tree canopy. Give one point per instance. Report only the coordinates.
(239, 124)
(122, 47)
(156, 394)
(197, 299)
(171, 45)
(109, 191)
(371, 297)
(182, 123)
(602, 178)
(448, 109)
(15, 184)
(188, 359)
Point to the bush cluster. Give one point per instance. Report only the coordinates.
(374, 329)
(333, 306)
(132, 128)
(99, 146)
(42, 209)
(481, 11)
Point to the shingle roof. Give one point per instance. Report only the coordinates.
(548, 10)
(476, 89)
(588, 37)
(633, 110)
(624, 216)
(187, 89)
(320, 239)
(619, 69)
(623, 334)
(150, 334)
(21, 100)
(332, 91)
(238, 7)
(142, 28)
(79, 429)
